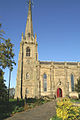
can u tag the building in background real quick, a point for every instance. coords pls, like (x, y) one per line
(11, 92)
(42, 78)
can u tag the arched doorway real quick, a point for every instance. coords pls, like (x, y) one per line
(59, 92)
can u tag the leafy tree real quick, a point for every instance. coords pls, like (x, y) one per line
(3, 88)
(77, 86)
(6, 52)
(1, 33)
(6, 55)
(7, 58)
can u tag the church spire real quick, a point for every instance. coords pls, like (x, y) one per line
(29, 25)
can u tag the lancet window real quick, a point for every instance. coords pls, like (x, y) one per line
(45, 82)
(72, 82)
(27, 51)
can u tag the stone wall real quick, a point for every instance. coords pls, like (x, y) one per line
(58, 76)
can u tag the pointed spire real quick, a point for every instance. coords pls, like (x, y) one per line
(29, 26)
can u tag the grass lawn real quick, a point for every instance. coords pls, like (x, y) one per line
(55, 118)
(75, 100)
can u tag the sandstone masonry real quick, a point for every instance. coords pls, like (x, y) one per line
(42, 78)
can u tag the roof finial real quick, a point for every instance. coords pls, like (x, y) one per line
(22, 36)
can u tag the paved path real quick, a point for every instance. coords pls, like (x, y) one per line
(43, 112)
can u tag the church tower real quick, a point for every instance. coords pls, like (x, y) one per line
(27, 83)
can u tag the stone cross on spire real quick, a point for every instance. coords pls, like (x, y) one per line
(29, 25)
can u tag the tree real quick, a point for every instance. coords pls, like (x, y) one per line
(77, 86)
(6, 55)
(6, 51)
(7, 58)
(1, 33)
(3, 88)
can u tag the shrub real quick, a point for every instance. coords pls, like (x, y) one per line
(66, 110)
(18, 109)
(11, 107)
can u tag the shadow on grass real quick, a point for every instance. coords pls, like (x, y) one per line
(55, 118)
(6, 108)
(13, 106)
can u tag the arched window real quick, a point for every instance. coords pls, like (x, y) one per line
(45, 82)
(27, 75)
(72, 82)
(27, 51)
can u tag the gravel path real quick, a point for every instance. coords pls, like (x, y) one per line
(43, 112)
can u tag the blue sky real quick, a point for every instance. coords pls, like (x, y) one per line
(56, 23)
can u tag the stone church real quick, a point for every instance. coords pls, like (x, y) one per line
(42, 78)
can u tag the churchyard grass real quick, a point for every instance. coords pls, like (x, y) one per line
(75, 100)
(55, 118)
